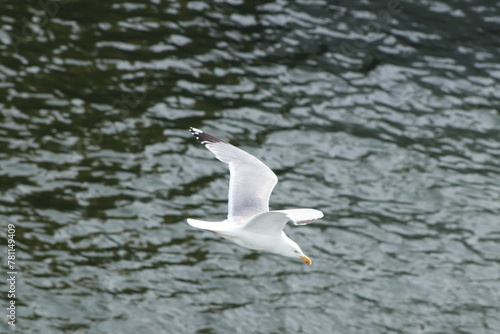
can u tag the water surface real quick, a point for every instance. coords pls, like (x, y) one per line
(384, 115)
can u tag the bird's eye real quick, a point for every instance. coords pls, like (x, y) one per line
(297, 252)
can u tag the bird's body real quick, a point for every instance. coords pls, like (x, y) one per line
(241, 236)
(250, 224)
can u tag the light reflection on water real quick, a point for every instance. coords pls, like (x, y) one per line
(395, 140)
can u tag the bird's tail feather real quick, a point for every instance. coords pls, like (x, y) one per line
(210, 226)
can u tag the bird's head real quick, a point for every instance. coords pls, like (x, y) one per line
(293, 250)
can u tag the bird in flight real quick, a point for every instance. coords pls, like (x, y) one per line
(249, 222)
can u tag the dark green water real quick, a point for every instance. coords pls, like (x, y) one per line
(382, 114)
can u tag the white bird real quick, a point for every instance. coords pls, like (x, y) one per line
(249, 222)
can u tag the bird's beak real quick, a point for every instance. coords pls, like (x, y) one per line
(306, 259)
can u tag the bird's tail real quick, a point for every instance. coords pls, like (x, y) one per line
(204, 225)
(210, 226)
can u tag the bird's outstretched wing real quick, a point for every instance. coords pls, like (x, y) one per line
(272, 222)
(251, 182)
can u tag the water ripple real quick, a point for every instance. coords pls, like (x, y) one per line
(382, 115)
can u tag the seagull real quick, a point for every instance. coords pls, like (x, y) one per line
(249, 222)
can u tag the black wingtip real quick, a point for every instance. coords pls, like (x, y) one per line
(203, 137)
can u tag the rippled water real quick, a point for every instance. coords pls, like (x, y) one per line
(382, 114)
